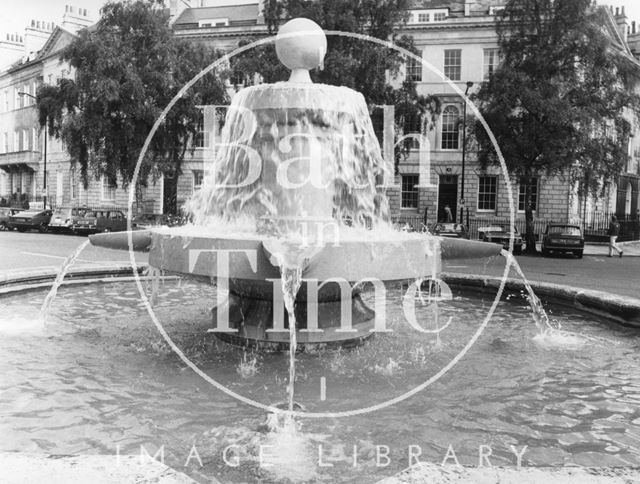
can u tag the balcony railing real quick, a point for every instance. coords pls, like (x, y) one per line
(32, 158)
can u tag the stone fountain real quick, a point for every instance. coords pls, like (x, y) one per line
(300, 162)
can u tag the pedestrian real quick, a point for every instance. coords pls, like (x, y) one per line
(448, 216)
(614, 231)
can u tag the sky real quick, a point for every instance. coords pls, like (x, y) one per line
(16, 14)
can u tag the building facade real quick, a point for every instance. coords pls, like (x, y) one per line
(458, 43)
(27, 151)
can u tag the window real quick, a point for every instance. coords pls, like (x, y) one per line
(16, 140)
(25, 140)
(214, 22)
(5, 101)
(409, 194)
(487, 193)
(198, 178)
(439, 17)
(522, 193)
(199, 140)
(26, 99)
(17, 99)
(5, 142)
(423, 17)
(413, 124)
(34, 139)
(73, 184)
(450, 128)
(452, 64)
(490, 63)
(414, 68)
(108, 189)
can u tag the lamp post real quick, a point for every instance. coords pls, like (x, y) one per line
(44, 183)
(464, 147)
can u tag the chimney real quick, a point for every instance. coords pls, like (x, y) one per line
(75, 18)
(467, 7)
(35, 36)
(622, 23)
(11, 49)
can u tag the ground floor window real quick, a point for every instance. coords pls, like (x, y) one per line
(409, 194)
(108, 189)
(487, 192)
(522, 194)
(198, 178)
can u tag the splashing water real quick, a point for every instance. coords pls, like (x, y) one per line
(66, 265)
(540, 317)
(154, 274)
(248, 366)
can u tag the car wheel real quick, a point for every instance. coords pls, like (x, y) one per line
(42, 228)
(107, 229)
(3, 226)
(517, 250)
(578, 254)
(21, 229)
(546, 252)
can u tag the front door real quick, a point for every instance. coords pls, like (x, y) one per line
(447, 195)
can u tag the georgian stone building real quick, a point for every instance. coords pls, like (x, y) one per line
(37, 61)
(456, 39)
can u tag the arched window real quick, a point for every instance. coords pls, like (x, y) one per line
(450, 128)
(627, 204)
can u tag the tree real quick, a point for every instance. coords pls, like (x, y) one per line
(361, 65)
(128, 67)
(557, 102)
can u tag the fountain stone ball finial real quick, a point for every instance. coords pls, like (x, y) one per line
(302, 52)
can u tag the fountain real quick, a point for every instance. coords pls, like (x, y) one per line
(99, 378)
(298, 160)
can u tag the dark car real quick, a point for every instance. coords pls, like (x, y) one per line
(563, 238)
(148, 220)
(501, 234)
(450, 230)
(100, 220)
(63, 218)
(30, 219)
(5, 214)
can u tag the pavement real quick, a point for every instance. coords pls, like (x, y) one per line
(629, 249)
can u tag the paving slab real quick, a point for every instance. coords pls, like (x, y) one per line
(23, 468)
(436, 474)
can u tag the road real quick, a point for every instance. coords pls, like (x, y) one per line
(620, 276)
(598, 272)
(33, 250)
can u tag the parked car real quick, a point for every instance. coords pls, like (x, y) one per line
(100, 220)
(450, 230)
(563, 238)
(63, 218)
(30, 219)
(501, 234)
(148, 220)
(5, 214)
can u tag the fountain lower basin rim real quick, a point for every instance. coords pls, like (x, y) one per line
(396, 257)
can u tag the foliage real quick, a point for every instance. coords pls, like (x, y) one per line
(361, 65)
(558, 100)
(128, 67)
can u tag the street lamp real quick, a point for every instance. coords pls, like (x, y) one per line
(44, 183)
(464, 146)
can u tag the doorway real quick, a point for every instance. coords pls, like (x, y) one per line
(447, 195)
